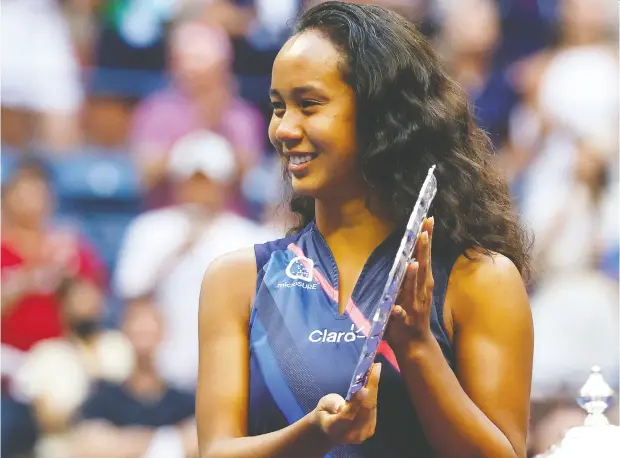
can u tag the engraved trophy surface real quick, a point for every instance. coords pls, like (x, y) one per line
(394, 282)
(597, 438)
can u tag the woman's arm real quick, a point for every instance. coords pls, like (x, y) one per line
(483, 410)
(222, 396)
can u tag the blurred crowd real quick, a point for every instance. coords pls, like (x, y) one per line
(134, 152)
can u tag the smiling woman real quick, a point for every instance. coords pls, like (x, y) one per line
(314, 125)
(361, 109)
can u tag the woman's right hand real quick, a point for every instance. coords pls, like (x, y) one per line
(350, 422)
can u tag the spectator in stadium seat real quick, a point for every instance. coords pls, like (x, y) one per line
(469, 41)
(40, 89)
(36, 257)
(203, 96)
(166, 251)
(58, 373)
(143, 417)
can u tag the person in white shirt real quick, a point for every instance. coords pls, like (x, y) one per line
(41, 88)
(166, 251)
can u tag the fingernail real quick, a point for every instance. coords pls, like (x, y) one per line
(432, 220)
(425, 236)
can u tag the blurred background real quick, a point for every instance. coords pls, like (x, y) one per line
(134, 152)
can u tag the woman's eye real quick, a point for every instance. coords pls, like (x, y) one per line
(305, 104)
(278, 107)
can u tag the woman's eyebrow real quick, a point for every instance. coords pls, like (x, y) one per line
(300, 91)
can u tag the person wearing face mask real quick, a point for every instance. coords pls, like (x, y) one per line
(37, 253)
(143, 417)
(59, 373)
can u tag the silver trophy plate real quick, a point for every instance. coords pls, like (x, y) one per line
(393, 284)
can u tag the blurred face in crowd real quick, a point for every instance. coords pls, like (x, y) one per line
(472, 26)
(17, 127)
(107, 121)
(83, 308)
(200, 58)
(584, 21)
(143, 327)
(198, 189)
(27, 199)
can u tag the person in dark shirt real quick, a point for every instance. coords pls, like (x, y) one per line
(143, 417)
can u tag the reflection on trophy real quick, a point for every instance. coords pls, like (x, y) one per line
(596, 438)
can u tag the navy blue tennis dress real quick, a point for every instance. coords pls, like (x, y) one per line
(301, 348)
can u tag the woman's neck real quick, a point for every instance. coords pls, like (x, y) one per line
(351, 225)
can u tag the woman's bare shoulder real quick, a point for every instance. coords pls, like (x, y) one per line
(231, 280)
(235, 263)
(478, 263)
(485, 278)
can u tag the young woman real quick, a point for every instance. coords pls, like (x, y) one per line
(361, 109)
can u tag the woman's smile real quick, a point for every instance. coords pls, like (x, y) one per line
(298, 162)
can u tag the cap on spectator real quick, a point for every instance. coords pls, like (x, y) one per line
(202, 152)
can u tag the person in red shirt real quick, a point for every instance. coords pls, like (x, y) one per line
(36, 256)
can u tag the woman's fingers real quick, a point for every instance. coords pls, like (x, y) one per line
(431, 230)
(366, 398)
(424, 263)
(351, 408)
(407, 297)
(333, 403)
(425, 273)
(373, 382)
(352, 422)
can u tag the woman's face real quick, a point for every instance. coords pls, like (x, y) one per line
(313, 126)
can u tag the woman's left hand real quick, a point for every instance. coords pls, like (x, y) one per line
(409, 322)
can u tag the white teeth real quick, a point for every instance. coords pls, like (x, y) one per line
(296, 160)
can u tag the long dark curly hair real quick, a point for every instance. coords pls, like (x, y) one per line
(413, 115)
